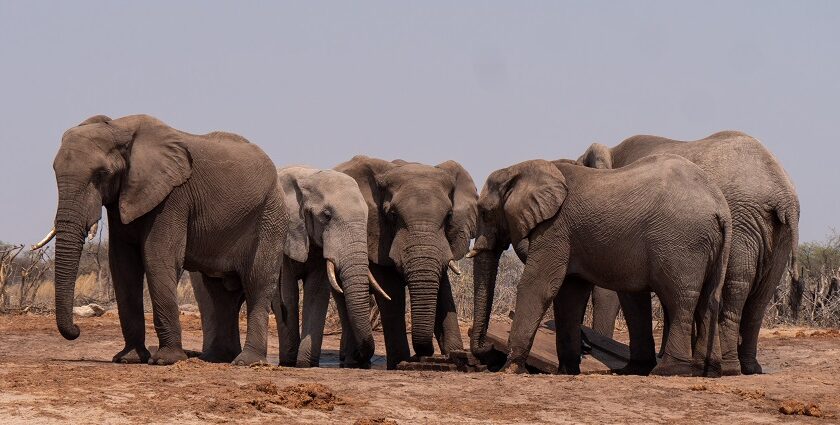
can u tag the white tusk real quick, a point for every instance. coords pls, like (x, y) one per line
(454, 267)
(331, 276)
(376, 286)
(44, 241)
(473, 252)
(93, 230)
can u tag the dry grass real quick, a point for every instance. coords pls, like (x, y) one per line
(813, 301)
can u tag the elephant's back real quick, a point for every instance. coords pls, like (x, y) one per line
(227, 169)
(740, 165)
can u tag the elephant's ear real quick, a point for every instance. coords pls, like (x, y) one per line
(597, 156)
(158, 161)
(534, 192)
(297, 238)
(462, 226)
(364, 170)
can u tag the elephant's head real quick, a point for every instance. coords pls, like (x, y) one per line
(513, 202)
(421, 219)
(326, 209)
(597, 156)
(130, 164)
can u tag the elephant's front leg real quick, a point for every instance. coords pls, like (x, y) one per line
(285, 303)
(569, 308)
(393, 315)
(316, 300)
(540, 282)
(447, 331)
(126, 267)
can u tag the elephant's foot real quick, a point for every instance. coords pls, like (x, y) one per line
(248, 358)
(670, 366)
(751, 367)
(215, 355)
(637, 367)
(730, 367)
(514, 367)
(569, 367)
(352, 364)
(130, 355)
(304, 363)
(167, 356)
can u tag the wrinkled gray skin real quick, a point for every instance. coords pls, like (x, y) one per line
(419, 218)
(658, 225)
(765, 214)
(327, 220)
(170, 208)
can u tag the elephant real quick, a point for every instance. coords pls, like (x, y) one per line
(765, 214)
(170, 207)
(657, 225)
(420, 221)
(326, 244)
(326, 247)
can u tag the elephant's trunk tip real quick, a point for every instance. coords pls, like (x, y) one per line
(69, 332)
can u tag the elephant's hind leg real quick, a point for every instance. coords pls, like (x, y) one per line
(740, 274)
(639, 317)
(260, 278)
(605, 306)
(679, 303)
(258, 287)
(220, 322)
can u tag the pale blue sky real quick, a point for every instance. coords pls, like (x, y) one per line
(485, 83)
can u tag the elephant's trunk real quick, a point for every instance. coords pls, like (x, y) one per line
(70, 239)
(354, 278)
(423, 271)
(485, 269)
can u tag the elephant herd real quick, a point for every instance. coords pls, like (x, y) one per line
(709, 226)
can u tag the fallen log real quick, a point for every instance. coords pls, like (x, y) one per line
(543, 355)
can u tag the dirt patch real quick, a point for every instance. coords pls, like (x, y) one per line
(755, 394)
(47, 379)
(793, 407)
(300, 396)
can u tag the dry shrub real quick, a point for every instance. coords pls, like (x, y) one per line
(813, 301)
(504, 297)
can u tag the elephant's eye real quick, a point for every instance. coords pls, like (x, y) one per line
(327, 215)
(100, 175)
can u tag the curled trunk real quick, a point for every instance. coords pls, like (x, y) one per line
(485, 270)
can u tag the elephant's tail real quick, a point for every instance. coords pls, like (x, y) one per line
(790, 217)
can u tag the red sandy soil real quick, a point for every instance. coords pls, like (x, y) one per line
(46, 379)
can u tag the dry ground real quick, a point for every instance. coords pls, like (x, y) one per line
(45, 379)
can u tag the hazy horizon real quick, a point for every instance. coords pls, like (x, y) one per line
(487, 84)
